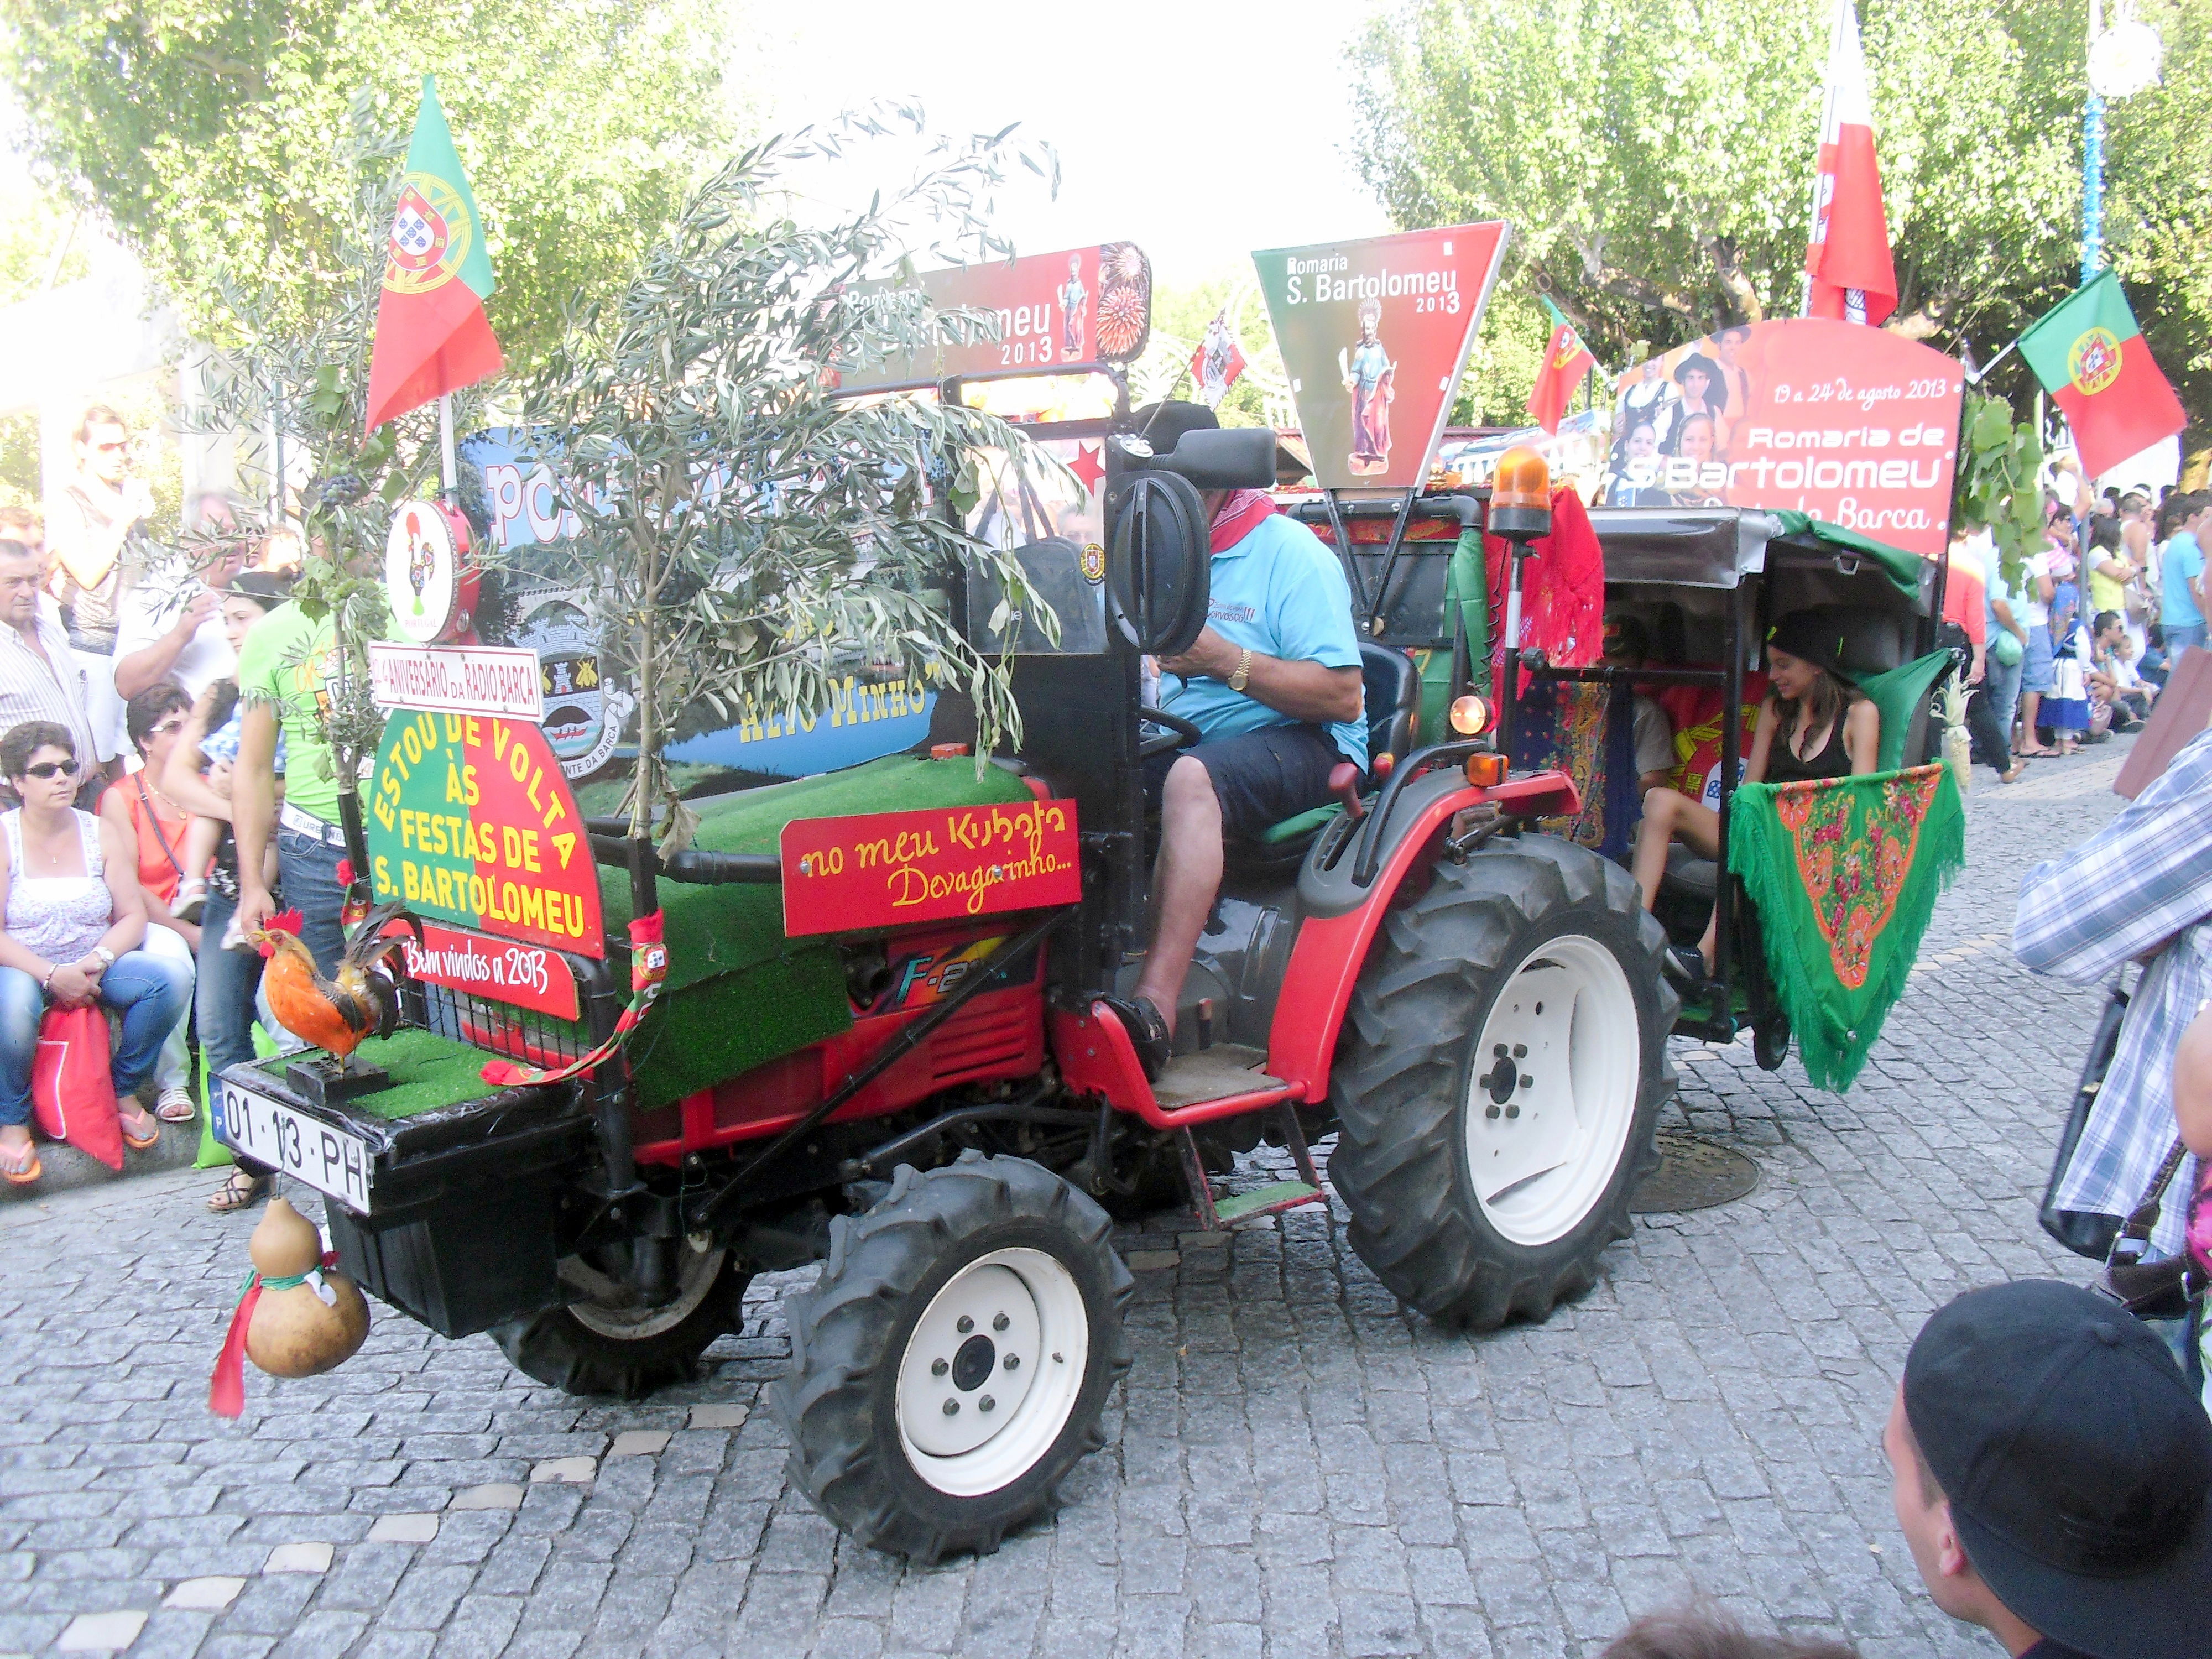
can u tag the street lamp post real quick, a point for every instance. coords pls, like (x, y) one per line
(2123, 61)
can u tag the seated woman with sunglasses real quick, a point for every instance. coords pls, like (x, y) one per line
(71, 922)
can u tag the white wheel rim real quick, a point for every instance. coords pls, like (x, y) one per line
(1017, 1305)
(695, 1274)
(1554, 1090)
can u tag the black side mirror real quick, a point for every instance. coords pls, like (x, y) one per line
(1158, 576)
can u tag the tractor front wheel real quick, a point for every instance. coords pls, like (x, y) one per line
(597, 1343)
(1499, 1095)
(951, 1365)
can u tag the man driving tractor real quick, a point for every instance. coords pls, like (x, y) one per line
(1272, 684)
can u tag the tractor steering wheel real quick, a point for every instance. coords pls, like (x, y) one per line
(1180, 734)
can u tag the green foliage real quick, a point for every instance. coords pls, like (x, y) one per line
(1999, 467)
(308, 378)
(1180, 315)
(747, 541)
(204, 131)
(1656, 159)
(34, 225)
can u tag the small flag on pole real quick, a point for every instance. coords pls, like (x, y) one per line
(2094, 361)
(432, 335)
(1567, 360)
(1218, 362)
(1853, 278)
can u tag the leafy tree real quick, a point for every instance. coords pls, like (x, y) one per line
(1656, 159)
(202, 132)
(747, 541)
(1181, 316)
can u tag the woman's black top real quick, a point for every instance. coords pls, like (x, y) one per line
(1831, 759)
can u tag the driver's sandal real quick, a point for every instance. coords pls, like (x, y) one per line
(1685, 962)
(1148, 1033)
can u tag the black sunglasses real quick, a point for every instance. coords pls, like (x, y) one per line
(47, 768)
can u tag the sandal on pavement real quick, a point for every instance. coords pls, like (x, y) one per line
(22, 1173)
(141, 1143)
(176, 1106)
(240, 1191)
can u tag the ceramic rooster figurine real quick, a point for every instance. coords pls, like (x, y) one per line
(335, 1014)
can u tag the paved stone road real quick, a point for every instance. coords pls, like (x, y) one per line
(1298, 1469)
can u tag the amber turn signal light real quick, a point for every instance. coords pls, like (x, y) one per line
(1485, 771)
(1521, 495)
(1470, 716)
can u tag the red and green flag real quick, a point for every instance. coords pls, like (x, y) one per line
(432, 335)
(1567, 360)
(2094, 361)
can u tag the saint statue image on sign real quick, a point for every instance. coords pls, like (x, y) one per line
(1074, 313)
(1368, 371)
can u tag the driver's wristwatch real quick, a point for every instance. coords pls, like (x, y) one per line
(1243, 674)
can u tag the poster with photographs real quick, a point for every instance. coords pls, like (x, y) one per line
(1853, 425)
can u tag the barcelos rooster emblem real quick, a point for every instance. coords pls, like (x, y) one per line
(432, 230)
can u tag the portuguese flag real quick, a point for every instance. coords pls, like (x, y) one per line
(2092, 360)
(432, 336)
(1567, 360)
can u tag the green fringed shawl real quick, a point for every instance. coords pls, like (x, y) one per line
(1844, 872)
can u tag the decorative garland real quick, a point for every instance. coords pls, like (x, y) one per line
(648, 969)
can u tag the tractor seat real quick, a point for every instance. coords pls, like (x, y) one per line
(1688, 873)
(1391, 688)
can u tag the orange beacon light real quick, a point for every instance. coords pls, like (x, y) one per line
(1521, 496)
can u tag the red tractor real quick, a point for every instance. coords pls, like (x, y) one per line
(946, 1113)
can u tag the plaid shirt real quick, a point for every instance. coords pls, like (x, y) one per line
(2142, 883)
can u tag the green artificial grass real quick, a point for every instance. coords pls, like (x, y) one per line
(428, 1072)
(739, 992)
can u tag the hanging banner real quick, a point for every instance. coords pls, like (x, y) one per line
(1373, 334)
(1856, 425)
(1089, 304)
(470, 820)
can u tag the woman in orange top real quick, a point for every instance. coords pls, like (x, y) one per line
(156, 826)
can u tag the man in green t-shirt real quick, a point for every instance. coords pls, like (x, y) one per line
(284, 672)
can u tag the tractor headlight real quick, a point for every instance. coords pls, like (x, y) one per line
(1470, 715)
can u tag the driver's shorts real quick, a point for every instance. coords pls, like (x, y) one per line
(1260, 777)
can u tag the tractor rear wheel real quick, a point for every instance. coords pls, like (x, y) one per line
(1498, 1096)
(951, 1365)
(596, 1345)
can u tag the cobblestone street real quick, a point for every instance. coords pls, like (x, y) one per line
(1297, 1468)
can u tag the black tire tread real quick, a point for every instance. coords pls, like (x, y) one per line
(840, 1332)
(558, 1349)
(1412, 1019)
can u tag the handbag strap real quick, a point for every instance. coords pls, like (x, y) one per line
(2142, 1220)
(155, 818)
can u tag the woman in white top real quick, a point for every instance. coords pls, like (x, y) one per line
(71, 922)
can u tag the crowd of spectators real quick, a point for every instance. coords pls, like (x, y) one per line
(122, 739)
(2077, 644)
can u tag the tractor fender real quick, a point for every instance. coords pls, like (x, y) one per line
(1340, 918)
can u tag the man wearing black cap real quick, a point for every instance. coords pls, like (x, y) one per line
(2051, 1474)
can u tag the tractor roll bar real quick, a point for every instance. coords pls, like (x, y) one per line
(694, 866)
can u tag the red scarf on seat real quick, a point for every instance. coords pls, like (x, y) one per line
(1241, 514)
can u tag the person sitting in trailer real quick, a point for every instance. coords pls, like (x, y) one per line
(1628, 645)
(1813, 724)
(1272, 684)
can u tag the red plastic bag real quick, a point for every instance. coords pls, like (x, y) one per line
(72, 1089)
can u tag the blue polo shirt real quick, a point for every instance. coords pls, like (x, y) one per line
(1282, 593)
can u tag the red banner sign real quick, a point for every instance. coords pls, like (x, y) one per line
(887, 869)
(1089, 305)
(1854, 425)
(527, 975)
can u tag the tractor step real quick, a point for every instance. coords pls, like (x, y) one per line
(1265, 1200)
(1226, 1068)
(1215, 1214)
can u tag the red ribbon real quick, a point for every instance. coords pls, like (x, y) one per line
(227, 1388)
(648, 967)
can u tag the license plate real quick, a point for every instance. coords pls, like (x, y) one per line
(333, 1161)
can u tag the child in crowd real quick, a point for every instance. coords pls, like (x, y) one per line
(2066, 709)
(216, 724)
